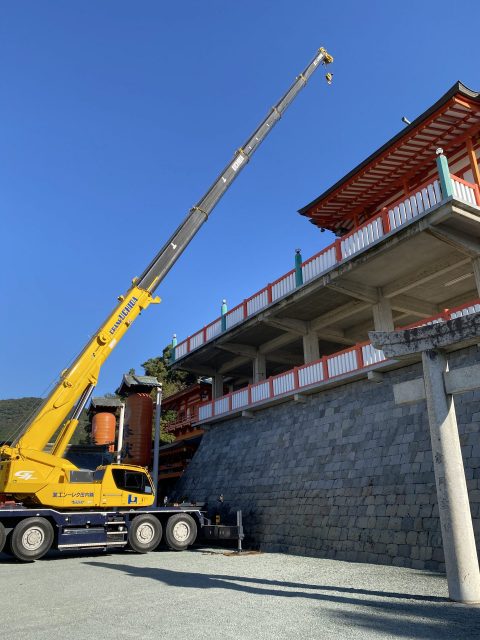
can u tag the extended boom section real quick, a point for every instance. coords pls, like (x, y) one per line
(164, 260)
(30, 474)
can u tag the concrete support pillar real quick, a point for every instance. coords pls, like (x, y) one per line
(382, 315)
(461, 561)
(311, 351)
(259, 368)
(217, 386)
(476, 273)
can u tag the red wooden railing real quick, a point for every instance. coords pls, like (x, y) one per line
(348, 361)
(401, 212)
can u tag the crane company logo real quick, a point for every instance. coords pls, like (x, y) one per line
(25, 475)
(132, 499)
(124, 313)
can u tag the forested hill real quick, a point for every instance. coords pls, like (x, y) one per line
(14, 412)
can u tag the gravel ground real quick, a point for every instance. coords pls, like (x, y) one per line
(210, 593)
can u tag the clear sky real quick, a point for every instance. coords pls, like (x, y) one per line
(116, 116)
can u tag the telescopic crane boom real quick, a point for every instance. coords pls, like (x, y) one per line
(76, 384)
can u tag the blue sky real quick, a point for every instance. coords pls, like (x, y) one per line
(117, 116)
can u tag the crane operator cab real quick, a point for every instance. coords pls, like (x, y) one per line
(107, 486)
(115, 485)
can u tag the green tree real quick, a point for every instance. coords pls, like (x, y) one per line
(173, 380)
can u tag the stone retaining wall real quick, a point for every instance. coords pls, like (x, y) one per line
(346, 474)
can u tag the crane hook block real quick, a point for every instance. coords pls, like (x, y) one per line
(327, 58)
(329, 77)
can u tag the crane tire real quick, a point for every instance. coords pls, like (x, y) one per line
(3, 537)
(145, 533)
(180, 532)
(31, 539)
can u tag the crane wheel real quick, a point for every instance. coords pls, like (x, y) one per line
(180, 532)
(3, 537)
(144, 534)
(31, 539)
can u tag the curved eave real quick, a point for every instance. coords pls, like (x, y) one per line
(459, 107)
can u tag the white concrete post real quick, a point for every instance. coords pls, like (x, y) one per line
(259, 368)
(382, 315)
(217, 387)
(461, 561)
(120, 433)
(311, 351)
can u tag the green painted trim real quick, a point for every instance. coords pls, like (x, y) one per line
(223, 312)
(444, 176)
(298, 269)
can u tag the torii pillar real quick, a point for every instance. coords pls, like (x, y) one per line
(461, 562)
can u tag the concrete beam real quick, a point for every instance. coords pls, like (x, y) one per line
(301, 328)
(277, 343)
(356, 290)
(408, 304)
(232, 364)
(423, 276)
(340, 313)
(336, 336)
(462, 242)
(289, 325)
(238, 349)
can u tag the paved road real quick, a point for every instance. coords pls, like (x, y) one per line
(207, 594)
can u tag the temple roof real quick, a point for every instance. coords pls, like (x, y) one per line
(132, 383)
(406, 158)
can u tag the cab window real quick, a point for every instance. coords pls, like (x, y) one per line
(134, 481)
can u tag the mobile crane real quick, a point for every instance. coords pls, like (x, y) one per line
(45, 500)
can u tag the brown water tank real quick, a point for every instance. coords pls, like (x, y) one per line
(137, 435)
(103, 429)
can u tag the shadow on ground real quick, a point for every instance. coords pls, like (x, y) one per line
(397, 615)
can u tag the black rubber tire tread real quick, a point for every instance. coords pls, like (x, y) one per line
(16, 546)
(133, 541)
(170, 540)
(3, 537)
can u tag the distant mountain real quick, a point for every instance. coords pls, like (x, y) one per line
(15, 412)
